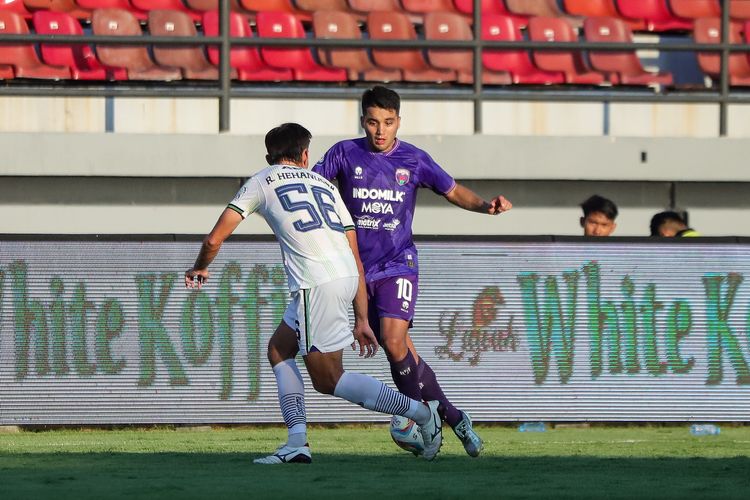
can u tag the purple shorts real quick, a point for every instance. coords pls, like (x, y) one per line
(392, 297)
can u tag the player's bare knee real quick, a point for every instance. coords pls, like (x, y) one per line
(323, 384)
(395, 348)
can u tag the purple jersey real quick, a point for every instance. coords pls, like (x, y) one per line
(380, 191)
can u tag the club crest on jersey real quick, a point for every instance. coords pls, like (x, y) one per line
(402, 176)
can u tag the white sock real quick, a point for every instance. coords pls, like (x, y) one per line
(292, 401)
(374, 395)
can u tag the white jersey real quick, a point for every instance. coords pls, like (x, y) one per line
(309, 219)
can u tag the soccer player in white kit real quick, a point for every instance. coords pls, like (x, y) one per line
(325, 275)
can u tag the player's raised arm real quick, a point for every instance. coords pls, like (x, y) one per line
(227, 223)
(463, 197)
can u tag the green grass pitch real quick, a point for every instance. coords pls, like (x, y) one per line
(361, 462)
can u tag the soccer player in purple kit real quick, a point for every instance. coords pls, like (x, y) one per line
(378, 177)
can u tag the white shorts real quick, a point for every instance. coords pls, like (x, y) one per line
(320, 315)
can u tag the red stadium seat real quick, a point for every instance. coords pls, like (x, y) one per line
(695, 9)
(15, 6)
(246, 60)
(134, 58)
(739, 9)
(599, 8)
(275, 6)
(79, 58)
(367, 6)
(449, 26)
(337, 24)
(6, 72)
(425, 6)
(517, 62)
(569, 62)
(149, 5)
(548, 8)
(313, 6)
(656, 13)
(22, 56)
(708, 30)
(624, 67)
(191, 60)
(298, 59)
(389, 25)
(488, 7)
(113, 4)
(69, 6)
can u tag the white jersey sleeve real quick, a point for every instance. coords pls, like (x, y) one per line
(248, 199)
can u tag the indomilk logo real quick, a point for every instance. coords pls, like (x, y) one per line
(378, 194)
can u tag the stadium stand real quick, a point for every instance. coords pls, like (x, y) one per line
(299, 60)
(655, 13)
(517, 62)
(424, 6)
(78, 58)
(695, 9)
(598, 8)
(496, 7)
(531, 8)
(245, 60)
(149, 5)
(287, 6)
(22, 57)
(135, 59)
(191, 60)
(367, 6)
(207, 5)
(708, 30)
(570, 63)
(15, 6)
(739, 9)
(313, 6)
(68, 6)
(622, 67)
(451, 26)
(113, 4)
(389, 25)
(357, 62)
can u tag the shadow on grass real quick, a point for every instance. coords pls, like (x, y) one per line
(233, 475)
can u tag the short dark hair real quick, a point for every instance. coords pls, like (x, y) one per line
(601, 204)
(380, 97)
(659, 219)
(287, 142)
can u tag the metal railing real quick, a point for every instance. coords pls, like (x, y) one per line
(224, 89)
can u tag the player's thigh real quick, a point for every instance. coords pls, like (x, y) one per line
(320, 316)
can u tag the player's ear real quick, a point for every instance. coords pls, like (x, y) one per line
(268, 159)
(583, 221)
(305, 158)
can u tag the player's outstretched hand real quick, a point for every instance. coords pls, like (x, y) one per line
(363, 335)
(194, 278)
(499, 205)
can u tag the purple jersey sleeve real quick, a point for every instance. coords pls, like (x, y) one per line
(333, 160)
(432, 175)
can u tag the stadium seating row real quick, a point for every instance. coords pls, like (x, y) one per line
(501, 67)
(650, 15)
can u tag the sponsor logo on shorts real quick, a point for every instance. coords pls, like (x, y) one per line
(391, 226)
(402, 176)
(368, 222)
(405, 306)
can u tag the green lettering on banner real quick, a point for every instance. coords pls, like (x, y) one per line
(197, 352)
(152, 335)
(550, 330)
(720, 336)
(108, 327)
(28, 316)
(649, 307)
(79, 309)
(252, 305)
(679, 322)
(629, 328)
(280, 294)
(57, 324)
(593, 292)
(224, 302)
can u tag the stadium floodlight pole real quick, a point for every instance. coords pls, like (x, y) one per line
(224, 70)
(477, 68)
(723, 103)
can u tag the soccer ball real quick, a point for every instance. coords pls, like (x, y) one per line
(405, 433)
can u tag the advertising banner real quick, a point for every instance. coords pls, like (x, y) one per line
(104, 332)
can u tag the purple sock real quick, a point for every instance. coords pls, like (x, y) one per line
(405, 376)
(431, 390)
